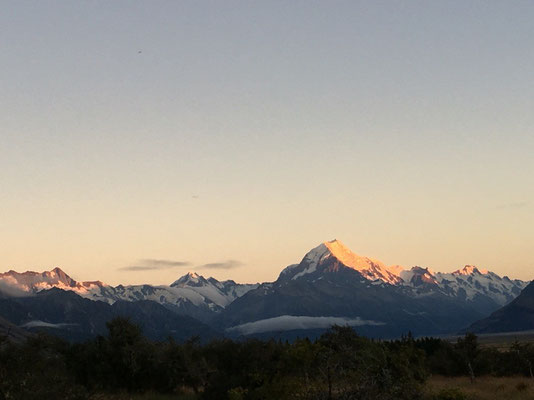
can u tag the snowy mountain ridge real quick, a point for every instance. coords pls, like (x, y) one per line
(190, 294)
(468, 283)
(29, 282)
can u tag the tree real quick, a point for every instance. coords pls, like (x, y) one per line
(129, 355)
(468, 349)
(525, 355)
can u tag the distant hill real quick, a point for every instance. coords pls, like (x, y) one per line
(11, 331)
(70, 316)
(516, 316)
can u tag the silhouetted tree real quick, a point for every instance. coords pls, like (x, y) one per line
(468, 348)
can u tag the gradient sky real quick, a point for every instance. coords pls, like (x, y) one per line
(231, 137)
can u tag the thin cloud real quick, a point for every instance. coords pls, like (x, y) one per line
(165, 263)
(222, 265)
(38, 323)
(151, 264)
(514, 206)
(11, 290)
(292, 322)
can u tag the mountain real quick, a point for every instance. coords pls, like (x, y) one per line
(370, 269)
(68, 315)
(191, 295)
(15, 284)
(467, 283)
(333, 285)
(516, 316)
(484, 290)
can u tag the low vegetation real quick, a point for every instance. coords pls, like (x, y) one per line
(484, 388)
(338, 365)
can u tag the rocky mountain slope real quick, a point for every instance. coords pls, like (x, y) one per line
(516, 316)
(66, 314)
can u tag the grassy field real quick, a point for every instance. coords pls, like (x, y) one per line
(501, 341)
(485, 388)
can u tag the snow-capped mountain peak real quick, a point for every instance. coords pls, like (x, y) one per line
(471, 270)
(190, 279)
(369, 268)
(32, 282)
(418, 276)
(468, 283)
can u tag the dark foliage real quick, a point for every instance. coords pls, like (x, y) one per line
(467, 358)
(338, 365)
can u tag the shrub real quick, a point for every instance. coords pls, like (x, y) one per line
(450, 394)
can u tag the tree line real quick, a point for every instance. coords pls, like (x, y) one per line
(339, 364)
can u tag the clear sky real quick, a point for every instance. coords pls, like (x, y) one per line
(231, 137)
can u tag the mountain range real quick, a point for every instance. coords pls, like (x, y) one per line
(331, 285)
(191, 295)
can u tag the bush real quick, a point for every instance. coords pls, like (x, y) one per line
(450, 394)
